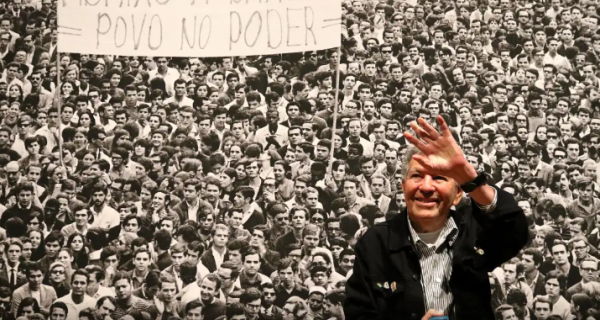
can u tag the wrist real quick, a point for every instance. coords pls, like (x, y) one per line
(467, 175)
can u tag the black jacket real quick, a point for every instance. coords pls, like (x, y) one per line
(385, 253)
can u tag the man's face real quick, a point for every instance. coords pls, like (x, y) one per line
(123, 289)
(212, 193)
(208, 289)
(218, 80)
(220, 238)
(552, 287)
(13, 174)
(560, 254)
(167, 291)
(282, 220)
(566, 130)
(167, 225)
(158, 201)
(81, 217)
(573, 151)
(354, 128)
(509, 315)
(312, 199)
(350, 189)
(99, 198)
(322, 153)
(392, 131)
(252, 264)
(527, 262)
(510, 273)
(35, 278)
(13, 253)
(4, 138)
(106, 309)
(287, 276)
(25, 197)
(589, 271)
(5, 25)
(79, 285)
(311, 241)
(141, 261)
(59, 314)
(367, 169)
(428, 196)
(333, 229)
(586, 193)
(542, 310)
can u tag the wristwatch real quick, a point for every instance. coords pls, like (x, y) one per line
(479, 180)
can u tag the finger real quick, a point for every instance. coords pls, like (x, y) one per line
(419, 131)
(432, 313)
(423, 161)
(444, 127)
(416, 142)
(433, 133)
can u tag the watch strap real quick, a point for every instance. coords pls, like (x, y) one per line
(478, 181)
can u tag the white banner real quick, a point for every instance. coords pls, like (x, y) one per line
(203, 28)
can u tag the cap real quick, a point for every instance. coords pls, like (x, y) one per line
(317, 289)
(12, 166)
(56, 264)
(24, 118)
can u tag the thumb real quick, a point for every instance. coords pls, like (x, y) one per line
(432, 313)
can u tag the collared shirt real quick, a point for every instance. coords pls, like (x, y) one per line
(193, 210)
(218, 257)
(436, 266)
(136, 280)
(106, 219)
(12, 278)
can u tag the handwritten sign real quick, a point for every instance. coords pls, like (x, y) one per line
(205, 28)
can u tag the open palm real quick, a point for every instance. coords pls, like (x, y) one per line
(441, 154)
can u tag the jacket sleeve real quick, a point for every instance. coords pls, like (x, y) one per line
(504, 230)
(360, 303)
(16, 301)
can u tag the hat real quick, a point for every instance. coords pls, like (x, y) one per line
(56, 264)
(24, 118)
(14, 165)
(317, 289)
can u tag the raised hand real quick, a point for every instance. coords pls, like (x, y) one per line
(441, 153)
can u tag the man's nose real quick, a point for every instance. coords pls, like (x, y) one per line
(427, 184)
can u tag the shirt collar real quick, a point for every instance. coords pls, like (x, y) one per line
(9, 268)
(449, 232)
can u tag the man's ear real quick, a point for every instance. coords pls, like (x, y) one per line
(458, 196)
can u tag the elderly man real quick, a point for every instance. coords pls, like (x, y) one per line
(431, 260)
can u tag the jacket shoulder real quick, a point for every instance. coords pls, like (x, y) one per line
(376, 234)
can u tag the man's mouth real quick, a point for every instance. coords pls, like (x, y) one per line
(427, 200)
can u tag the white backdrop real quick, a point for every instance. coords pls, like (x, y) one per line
(204, 28)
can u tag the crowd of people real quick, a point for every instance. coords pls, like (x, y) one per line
(221, 188)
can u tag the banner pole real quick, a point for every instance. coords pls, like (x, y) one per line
(335, 108)
(58, 105)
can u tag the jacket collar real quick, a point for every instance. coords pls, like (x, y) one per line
(399, 235)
